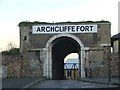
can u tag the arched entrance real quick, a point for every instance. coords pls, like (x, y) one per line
(61, 47)
(58, 47)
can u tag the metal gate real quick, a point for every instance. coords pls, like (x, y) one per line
(71, 70)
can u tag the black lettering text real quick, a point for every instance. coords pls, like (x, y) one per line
(91, 28)
(69, 27)
(48, 29)
(77, 28)
(73, 28)
(86, 28)
(52, 29)
(38, 29)
(65, 28)
(56, 28)
(82, 28)
(43, 29)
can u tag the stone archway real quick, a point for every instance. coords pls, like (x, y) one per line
(47, 71)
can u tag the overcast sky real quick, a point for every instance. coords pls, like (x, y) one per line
(14, 11)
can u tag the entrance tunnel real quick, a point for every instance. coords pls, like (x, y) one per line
(61, 47)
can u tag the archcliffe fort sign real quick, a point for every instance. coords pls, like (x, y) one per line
(50, 29)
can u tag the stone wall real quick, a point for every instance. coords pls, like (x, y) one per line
(31, 64)
(11, 65)
(99, 69)
(104, 68)
(34, 41)
(114, 64)
(14, 67)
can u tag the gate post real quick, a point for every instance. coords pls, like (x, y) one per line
(47, 62)
(82, 63)
(83, 55)
(43, 57)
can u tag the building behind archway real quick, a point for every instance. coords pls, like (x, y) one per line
(93, 47)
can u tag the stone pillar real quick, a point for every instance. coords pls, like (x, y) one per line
(43, 57)
(82, 63)
(47, 63)
(83, 60)
(50, 63)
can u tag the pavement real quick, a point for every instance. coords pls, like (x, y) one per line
(112, 81)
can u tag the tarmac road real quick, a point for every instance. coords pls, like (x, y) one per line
(24, 84)
(16, 83)
(70, 85)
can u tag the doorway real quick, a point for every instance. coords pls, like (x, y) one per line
(61, 47)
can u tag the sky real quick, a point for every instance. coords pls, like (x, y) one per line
(12, 12)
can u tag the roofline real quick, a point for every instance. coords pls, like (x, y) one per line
(115, 37)
(27, 23)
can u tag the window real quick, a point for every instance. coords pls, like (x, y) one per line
(25, 38)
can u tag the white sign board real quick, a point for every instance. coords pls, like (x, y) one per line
(51, 29)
